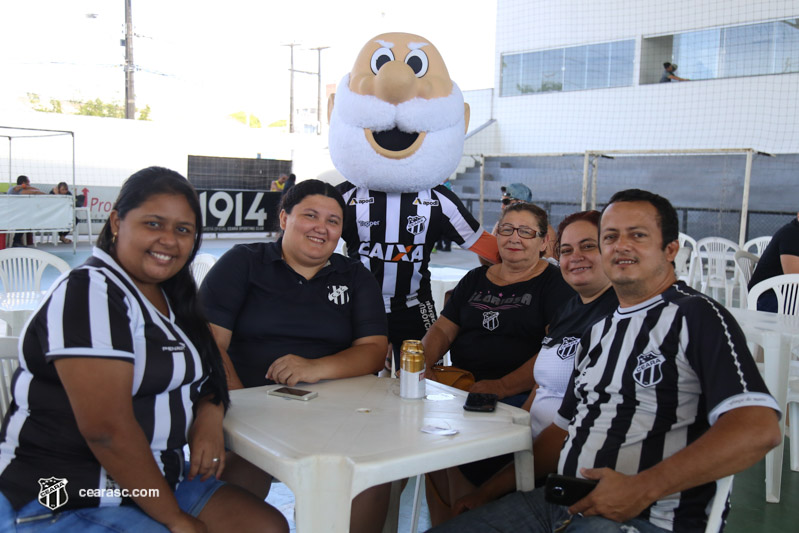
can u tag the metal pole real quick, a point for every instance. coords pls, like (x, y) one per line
(594, 164)
(74, 198)
(745, 203)
(482, 186)
(291, 88)
(319, 91)
(319, 88)
(130, 97)
(583, 201)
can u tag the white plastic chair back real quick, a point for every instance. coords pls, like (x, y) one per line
(687, 270)
(714, 518)
(744, 267)
(21, 269)
(9, 361)
(786, 287)
(687, 241)
(759, 243)
(201, 265)
(716, 259)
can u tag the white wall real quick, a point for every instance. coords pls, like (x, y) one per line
(108, 150)
(758, 112)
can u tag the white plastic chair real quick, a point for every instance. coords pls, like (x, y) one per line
(786, 288)
(9, 361)
(201, 265)
(716, 261)
(685, 262)
(759, 243)
(793, 413)
(21, 269)
(723, 490)
(85, 211)
(744, 266)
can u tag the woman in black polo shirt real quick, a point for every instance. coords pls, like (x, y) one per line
(117, 371)
(292, 311)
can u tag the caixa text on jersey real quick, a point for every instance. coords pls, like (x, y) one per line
(412, 253)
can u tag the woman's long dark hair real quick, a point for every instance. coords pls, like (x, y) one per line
(181, 290)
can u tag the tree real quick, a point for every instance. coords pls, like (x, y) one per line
(242, 117)
(98, 108)
(35, 101)
(144, 114)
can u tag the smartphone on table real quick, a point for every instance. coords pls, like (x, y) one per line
(567, 490)
(481, 402)
(293, 394)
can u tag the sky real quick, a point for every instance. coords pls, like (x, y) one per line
(213, 58)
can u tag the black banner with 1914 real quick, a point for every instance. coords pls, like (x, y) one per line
(239, 211)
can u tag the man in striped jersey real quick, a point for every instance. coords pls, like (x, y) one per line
(396, 133)
(665, 397)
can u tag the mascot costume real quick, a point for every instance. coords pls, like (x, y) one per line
(397, 127)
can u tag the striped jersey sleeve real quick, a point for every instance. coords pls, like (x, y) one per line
(466, 228)
(87, 292)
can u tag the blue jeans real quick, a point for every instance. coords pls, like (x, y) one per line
(530, 512)
(34, 517)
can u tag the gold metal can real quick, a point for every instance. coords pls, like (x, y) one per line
(412, 356)
(412, 365)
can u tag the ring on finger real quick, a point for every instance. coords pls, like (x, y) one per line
(215, 460)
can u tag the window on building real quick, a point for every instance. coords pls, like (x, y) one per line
(736, 51)
(575, 68)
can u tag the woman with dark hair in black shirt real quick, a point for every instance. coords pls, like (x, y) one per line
(118, 371)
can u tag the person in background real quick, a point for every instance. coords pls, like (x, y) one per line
(279, 184)
(781, 256)
(290, 182)
(519, 192)
(665, 398)
(294, 312)
(62, 188)
(493, 326)
(118, 371)
(669, 75)
(581, 266)
(23, 186)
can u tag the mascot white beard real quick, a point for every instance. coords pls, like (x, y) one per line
(442, 119)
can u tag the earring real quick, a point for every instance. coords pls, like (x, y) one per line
(114, 239)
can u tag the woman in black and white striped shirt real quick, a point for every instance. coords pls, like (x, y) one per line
(118, 369)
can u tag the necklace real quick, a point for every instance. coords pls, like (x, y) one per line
(498, 278)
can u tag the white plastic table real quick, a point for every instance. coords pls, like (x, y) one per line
(359, 433)
(776, 334)
(16, 307)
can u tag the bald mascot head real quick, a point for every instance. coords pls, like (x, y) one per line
(399, 121)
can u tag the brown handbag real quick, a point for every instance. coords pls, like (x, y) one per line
(453, 376)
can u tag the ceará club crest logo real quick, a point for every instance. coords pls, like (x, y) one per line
(53, 492)
(338, 294)
(649, 370)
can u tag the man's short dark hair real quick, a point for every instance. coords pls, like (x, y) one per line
(22, 179)
(666, 65)
(667, 215)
